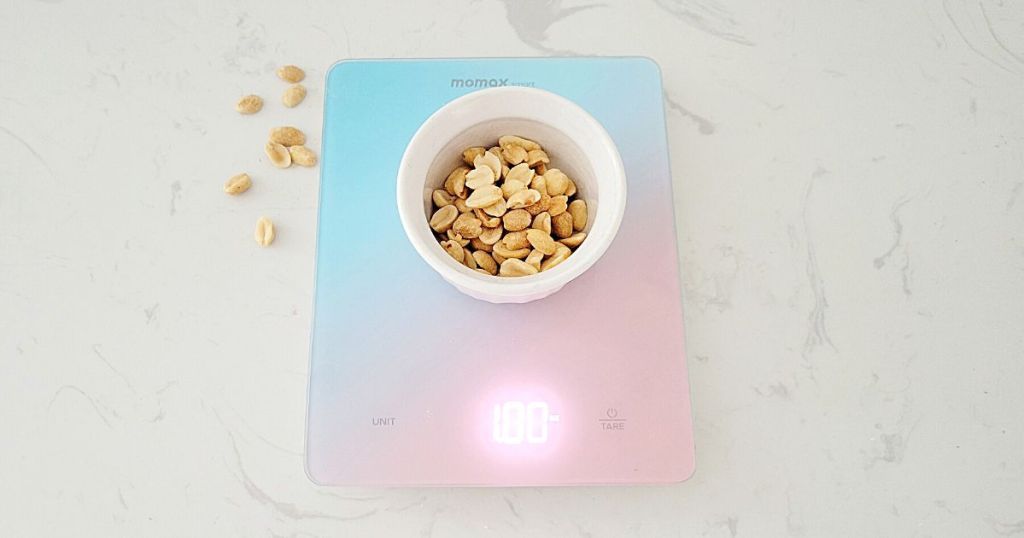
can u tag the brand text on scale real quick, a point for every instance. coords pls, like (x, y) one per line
(487, 83)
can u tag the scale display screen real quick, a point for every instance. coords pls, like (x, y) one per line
(516, 422)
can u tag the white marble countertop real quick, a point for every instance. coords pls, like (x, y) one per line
(849, 183)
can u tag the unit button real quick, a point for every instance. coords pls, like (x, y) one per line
(612, 421)
(383, 422)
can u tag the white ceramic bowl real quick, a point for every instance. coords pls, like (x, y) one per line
(577, 144)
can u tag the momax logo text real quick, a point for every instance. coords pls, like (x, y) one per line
(485, 83)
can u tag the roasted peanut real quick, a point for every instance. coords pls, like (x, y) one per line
(265, 233)
(537, 156)
(452, 236)
(542, 222)
(480, 176)
(491, 235)
(535, 257)
(485, 262)
(293, 96)
(543, 205)
(496, 151)
(443, 218)
(467, 225)
(287, 136)
(523, 198)
(478, 244)
(512, 186)
(489, 160)
(302, 156)
(520, 173)
(279, 155)
(510, 140)
(498, 209)
(250, 104)
(560, 255)
(559, 204)
(562, 225)
(291, 73)
(539, 184)
(441, 198)
(469, 260)
(505, 252)
(516, 220)
(515, 240)
(454, 250)
(557, 181)
(470, 154)
(514, 267)
(238, 184)
(541, 241)
(455, 184)
(573, 240)
(486, 220)
(513, 154)
(578, 210)
(484, 197)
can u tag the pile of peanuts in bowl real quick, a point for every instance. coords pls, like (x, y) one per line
(506, 213)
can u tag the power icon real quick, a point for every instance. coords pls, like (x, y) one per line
(612, 423)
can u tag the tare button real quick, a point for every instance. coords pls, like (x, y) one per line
(612, 421)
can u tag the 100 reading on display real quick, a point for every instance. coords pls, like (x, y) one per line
(517, 422)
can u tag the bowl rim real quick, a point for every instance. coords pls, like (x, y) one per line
(611, 207)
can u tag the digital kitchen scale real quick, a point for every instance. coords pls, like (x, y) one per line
(414, 383)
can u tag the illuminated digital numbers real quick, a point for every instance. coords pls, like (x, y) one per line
(516, 422)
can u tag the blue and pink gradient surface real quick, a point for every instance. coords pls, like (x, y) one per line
(414, 383)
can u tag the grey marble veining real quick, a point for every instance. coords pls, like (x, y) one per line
(847, 177)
